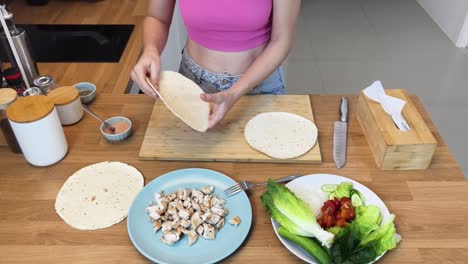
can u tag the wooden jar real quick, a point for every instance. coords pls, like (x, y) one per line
(68, 104)
(37, 128)
(394, 149)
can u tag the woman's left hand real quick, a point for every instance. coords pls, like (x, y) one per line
(221, 104)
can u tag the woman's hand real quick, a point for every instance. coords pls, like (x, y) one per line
(221, 102)
(147, 67)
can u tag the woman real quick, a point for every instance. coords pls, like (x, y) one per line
(234, 47)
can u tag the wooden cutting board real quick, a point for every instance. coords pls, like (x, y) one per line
(168, 138)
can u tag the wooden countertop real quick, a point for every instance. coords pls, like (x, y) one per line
(431, 205)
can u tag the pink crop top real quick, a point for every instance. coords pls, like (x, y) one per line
(227, 25)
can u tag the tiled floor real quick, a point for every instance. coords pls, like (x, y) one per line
(343, 45)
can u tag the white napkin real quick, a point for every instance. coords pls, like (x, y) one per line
(391, 105)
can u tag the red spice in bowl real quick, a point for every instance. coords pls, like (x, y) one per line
(120, 127)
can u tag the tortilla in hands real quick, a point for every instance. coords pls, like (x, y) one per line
(182, 96)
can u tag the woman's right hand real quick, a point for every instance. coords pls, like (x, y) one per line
(148, 66)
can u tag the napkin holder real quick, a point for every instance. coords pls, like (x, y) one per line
(394, 149)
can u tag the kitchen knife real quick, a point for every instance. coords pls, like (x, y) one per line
(340, 134)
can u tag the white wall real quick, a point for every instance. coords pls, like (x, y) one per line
(450, 15)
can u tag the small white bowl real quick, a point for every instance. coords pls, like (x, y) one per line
(86, 86)
(117, 136)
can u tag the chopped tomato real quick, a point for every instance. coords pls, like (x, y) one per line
(337, 212)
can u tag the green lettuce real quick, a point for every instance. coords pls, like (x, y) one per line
(343, 190)
(293, 213)
(365, 239)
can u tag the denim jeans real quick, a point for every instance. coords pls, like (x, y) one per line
(212, 82)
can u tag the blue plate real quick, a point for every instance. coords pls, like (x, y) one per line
(228, 239)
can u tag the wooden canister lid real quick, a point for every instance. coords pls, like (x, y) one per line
(7, 95)
(63, 95)
(29, 109)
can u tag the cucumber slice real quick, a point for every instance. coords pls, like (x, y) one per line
(356, 200)
(329, 187)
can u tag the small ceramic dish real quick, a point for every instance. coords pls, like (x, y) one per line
(122, 125)
(87, 91)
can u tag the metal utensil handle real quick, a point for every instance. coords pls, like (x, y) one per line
(344, 110)
(87, 110)
(284, 179)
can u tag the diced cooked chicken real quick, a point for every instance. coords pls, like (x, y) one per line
(172, 196)
(185, 194)
(178, 230)
(180, 206)
(207, 189)
(175, 224)
(165, 217)
(235, 221)
(184, 214)
(166, 226)
(187, 204)
(219, 210)
(220, 224)
(200, 230)
(162, 207)
(184, 230)
(197, 196)
(185, 223)
(214, 219)
(206, 216)
(192, 237)
(191, 211)
(216, 201)
(171, 210)
(164, 199)
(170, 238)
(156, 225)
(207, 200)
(196, 206)
(204, 208)
(152, 212)
(208, 231)
(188, 211)
(196, 220)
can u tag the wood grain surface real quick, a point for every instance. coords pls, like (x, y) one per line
(430, 205)
(168, 138)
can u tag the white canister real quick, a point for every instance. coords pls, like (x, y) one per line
(37, 128)
(68, 104)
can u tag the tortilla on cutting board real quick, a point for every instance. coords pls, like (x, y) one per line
(281, 135)
(182, 96)
(99, 195)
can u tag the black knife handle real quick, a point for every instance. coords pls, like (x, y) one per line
(344, 110)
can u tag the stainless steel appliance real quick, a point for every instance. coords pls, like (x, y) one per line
(21, 44)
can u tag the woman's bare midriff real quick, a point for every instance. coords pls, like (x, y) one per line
(233, 63)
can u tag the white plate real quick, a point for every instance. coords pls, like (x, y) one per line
(319, 180)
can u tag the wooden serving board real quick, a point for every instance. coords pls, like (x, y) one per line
(168, 138)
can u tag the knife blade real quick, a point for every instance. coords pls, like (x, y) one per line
(340, 134)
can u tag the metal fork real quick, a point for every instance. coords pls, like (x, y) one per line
(244, 185)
